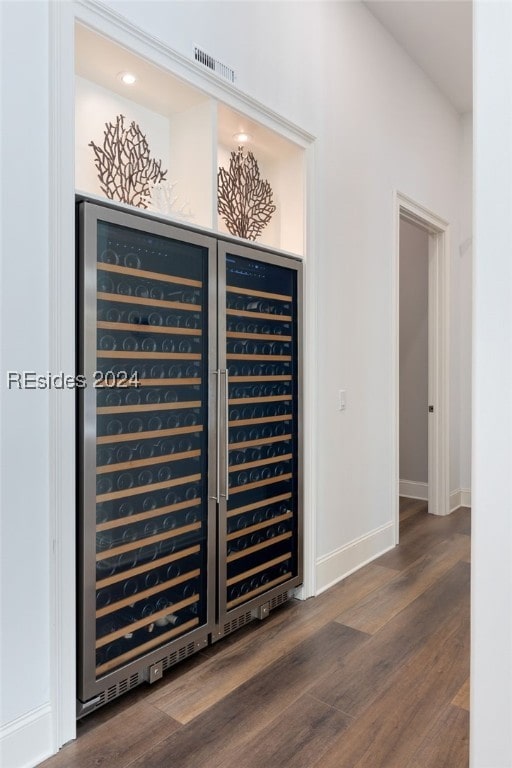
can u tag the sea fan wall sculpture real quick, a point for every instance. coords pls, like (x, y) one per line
(125, 167)
(244, 199)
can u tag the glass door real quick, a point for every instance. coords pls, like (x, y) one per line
(260, 517)
(145, 532)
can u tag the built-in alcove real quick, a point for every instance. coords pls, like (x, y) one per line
(191, 133)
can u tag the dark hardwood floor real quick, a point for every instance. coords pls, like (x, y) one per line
(372, 673)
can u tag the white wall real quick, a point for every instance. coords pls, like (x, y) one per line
(413, 351)
(24, 435)
(491, 638)
(381, 126)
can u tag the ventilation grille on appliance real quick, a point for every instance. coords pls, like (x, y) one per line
(214, 64)
(119, 688)
(113, 691)
(230, 626)
(278, 600)
(178, 655)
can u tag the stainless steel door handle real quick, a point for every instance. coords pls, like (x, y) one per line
(217, 458)
(226, 433)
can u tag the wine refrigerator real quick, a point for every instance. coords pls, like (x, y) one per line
(189, 443)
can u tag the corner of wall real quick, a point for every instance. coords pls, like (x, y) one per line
(341, 562)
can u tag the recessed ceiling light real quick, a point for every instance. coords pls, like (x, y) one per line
(127, 78)
(242, 137)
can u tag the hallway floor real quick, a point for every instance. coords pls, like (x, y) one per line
(371, 674)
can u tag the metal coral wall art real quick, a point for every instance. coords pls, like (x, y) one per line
(126, 169)
(244, 199)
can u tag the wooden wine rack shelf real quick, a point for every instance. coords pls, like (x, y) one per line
(132, 599)
(257, 336)
(258, 591)
(259, 526)
(129, 436)
(141, 649)
(260, 420)
(136, 463)
(150, 488)
(140, 328)
(257, 547)
(272, 358)
(145, 407)
(260, 483)
(259, 441)
(258, 569)
(138, 543)
(147, 302)
(135, 355)
(149, 515)
(145, 622)
(259, 504)
(259, 315)
(263, 399)
(169, 382)
(140, 569)
(259, 379)
(257, 294)
(144, 273)
(260, 462)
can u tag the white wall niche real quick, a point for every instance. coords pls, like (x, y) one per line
(192, 134)
(282, 163)
(177, 120)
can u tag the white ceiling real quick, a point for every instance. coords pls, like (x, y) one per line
(438, 35)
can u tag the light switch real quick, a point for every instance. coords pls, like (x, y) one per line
(342, 399)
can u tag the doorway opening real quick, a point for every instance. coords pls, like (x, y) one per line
(413, 357)
(421, 381)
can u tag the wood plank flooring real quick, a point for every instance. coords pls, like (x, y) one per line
(373, 673)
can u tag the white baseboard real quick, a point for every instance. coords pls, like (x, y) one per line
(465, 497)
(460, 498)
(340, 563)
(413, 489)
(27, 741)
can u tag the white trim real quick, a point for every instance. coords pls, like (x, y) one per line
(310, 389)
(27, 741)
(413, 490)
(438, 367)
(460, 498)
(395, 372)
(438, 429)
(62, 491)
(465, 497)
(340, 563)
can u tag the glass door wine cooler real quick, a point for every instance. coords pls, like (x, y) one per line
(189, 459)
(259, 537)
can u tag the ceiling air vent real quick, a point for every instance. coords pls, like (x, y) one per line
(214, 64)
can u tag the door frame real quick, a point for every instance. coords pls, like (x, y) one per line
(438, 353)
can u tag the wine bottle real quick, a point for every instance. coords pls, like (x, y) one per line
(132, 261)
(104, 484)
(148, 344)
(109, 256)
(124, 481)
(164, 474)
(156, 292)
